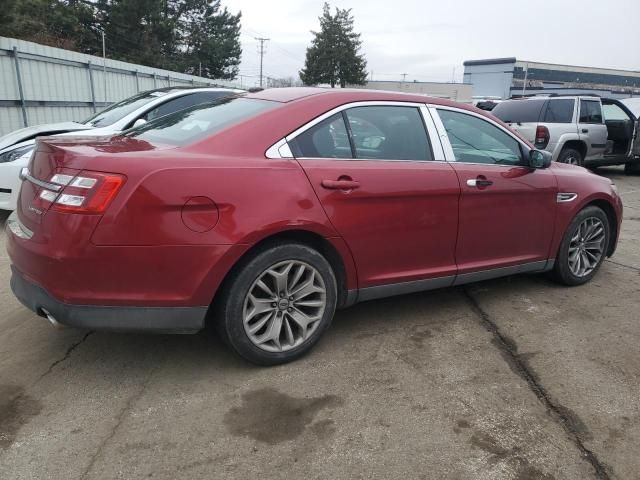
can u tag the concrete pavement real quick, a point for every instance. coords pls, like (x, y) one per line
(516, 378)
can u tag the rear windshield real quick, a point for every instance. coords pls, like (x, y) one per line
(195, 123)
(519, 111)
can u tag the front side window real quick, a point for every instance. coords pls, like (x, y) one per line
(559, 111)
(117, 111)
(389, 133)
(475, 140)
(590, 111)
(614, 112)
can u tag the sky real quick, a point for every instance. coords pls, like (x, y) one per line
(429, 39)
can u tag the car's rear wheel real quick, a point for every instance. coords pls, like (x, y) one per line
(583, 247)
(277, 305)
(571, 156)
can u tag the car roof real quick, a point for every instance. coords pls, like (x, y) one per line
(344, 95)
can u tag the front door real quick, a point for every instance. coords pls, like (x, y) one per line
(389, 196)
(507, 209)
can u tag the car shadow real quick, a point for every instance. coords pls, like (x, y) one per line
(205, 355)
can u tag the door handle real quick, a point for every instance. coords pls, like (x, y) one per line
(479, 182)
(585, 130)
(341, 184)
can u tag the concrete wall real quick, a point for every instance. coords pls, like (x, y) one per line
(460, 92)
(59, 85)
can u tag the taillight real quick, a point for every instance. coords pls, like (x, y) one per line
(88, 192)
(542, 136)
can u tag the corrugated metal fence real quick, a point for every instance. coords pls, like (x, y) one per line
(40, 84)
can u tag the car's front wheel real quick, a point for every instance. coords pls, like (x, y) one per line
(277, 305)
(583, 247)
(632, 168)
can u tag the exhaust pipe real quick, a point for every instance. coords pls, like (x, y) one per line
(52, 319)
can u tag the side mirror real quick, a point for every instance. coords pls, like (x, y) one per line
(138, 122)
(539, 159)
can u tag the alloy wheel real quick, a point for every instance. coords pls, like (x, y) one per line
(571, 160)
(284, 306)
(586, 247)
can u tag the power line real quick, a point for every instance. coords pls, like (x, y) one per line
(261, 51)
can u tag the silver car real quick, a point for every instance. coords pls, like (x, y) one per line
(16, 147)
(581, 130)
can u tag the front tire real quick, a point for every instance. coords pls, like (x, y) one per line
(632, 168)
(583, 247)
(277, 304)
(571, 156)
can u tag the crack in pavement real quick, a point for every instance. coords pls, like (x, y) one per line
(67, 354)
(637, 269)
(119, 420)
(559, 413)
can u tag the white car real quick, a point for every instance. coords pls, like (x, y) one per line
(16, 147)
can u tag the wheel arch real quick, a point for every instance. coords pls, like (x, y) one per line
(575, 144)
(612, 216)
(329, 248)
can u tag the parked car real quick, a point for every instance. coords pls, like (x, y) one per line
(16, 147)
(254, 214)
(581, 130)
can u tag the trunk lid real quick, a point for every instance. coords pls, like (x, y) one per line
(63, 156)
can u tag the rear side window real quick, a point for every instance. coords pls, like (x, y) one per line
(559, 111)
(327, 139)
(389, 133)
(519, 111)
(372, 133)
(590, 111)
(195, 123)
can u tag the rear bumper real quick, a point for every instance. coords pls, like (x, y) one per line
(127, 318)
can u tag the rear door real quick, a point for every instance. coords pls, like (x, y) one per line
(591, 128)
(507, 210)
(386, 188)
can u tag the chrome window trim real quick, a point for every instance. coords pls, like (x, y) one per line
(281, 148)
(433, 109)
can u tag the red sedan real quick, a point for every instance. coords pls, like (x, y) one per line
(266, 212)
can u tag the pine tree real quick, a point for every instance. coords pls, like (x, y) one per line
(334, 54)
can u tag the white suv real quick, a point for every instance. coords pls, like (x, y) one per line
(581, 130)
(16, 147)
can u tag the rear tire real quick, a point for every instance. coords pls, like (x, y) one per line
(277, 304)
(571, 156)
(583, 247)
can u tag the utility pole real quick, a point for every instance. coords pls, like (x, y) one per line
(104, 67)
(200, 69)
(261, 52)
(404, 77)
(526, 73)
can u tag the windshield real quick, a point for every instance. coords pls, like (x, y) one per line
(115, 112)
(192, 124)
